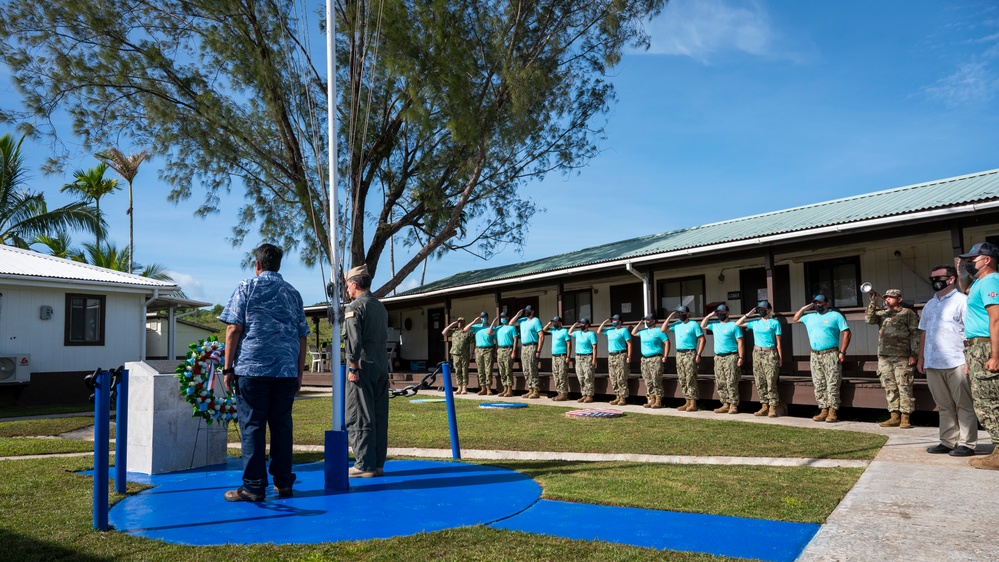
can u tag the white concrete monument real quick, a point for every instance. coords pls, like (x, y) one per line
(162, 435)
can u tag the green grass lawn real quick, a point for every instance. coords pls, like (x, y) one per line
(46, 507)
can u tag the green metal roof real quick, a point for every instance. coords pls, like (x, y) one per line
(940, 194)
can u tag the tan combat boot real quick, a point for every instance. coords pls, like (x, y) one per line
(990, 462)
(832, 418)
(893, 421)
(482, 391)
(774, 411)
(764, 409)
(560, 397)
(657, 403)
(648, 402)
(489, 391)
(733, 409)
(693, 406)
(683, 407)
(723, 409)
(586, 399)
(581, 398)
(821, 416)
(904, 424)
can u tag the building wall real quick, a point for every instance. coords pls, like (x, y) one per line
(156, 338)
(23, 331)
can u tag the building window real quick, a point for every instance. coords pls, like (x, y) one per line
(84, 319)
(838, 279)
(686, 291)
(576, 305)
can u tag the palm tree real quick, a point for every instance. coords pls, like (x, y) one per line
(59, 246)
(24, 215)
(110, 256)
(92, 184)
(127, 167)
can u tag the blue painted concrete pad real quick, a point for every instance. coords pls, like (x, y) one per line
(713, 534)
(412, 496)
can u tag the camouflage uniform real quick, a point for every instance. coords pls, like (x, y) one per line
(584, 372)
(652, 373)
(505, 364)
(727, 377)
(898, 340)
(686, 370)
(619, 371)
(560, 373)
(984, 385)
(461, 343)
(484, 366)
(827, 376)
(529, 364)
(766, 373)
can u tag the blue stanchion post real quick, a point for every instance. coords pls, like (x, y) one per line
(102, 431)
(452, 419)
(335, 463)
(121, 433)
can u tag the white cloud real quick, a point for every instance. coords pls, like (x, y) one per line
(972, 83)
(193, 288)
(702, 28)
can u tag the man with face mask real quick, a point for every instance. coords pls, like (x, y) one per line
(767, 357)
(532, 337)
(728, 357)
(689, 345)
(981, 341)
(560, 356)
(586, 357)
(461, 345)
(506, 342)
(829, 336)
(941, 359)
(655, 349)
(618, 357)
(485, 341)
(898, 350)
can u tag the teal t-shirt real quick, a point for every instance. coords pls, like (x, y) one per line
(652, 341)
(824, 329)
(560, 341)
(529, 328)
(984, 293)
(727, 336)
(617, 339)
(482, 336)
(505, 335)
(585, 341)
(687, 334)
(765, 331)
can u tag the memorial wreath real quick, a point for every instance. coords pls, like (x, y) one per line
(198, 375)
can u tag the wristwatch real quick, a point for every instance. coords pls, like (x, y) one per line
(228, 371)
(351, 370)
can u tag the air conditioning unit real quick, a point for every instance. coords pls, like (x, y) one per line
(15, 369)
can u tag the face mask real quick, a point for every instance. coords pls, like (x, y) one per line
(722, 316)
(971, 267)
(615, 323)
(530, 314)
(502, 320)
(939, 285)
(556, 325)
(482, 321)
(683, 317)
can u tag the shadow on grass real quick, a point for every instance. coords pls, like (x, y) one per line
(16, 546)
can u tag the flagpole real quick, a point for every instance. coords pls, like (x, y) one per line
(335, 460)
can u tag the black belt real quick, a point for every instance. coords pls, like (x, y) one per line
(616, 353)
(558, 354)
(651, 356)
(823, 351)
(525, 344)
(578, 354)
(686, 351)
(505, 347)
(725, 354)
(971, 341)
(760, 347)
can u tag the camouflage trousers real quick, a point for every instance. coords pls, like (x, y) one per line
(827, 375)
(584, 372)
(560, 373)
(529, 364)
(766, 372)
(686, 370)
(652, 374)
(484, 366)
(727, 377)
(460, 364)
(896, 377)
(505, 364)
(619, 370)
(984, 386)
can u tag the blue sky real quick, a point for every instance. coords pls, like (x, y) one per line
(740, 107)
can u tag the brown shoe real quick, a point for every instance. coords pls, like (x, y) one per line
(284, 492)
(831, 418)
(893, 421)
(358, 473)
(694, 406)
(733, 409)
(774, 411)
(241, 495)
(481, 391)
(560, 397)
(821, 416)
(657, 403)
(488, 392)
(904, 423)
(990, 462)
(764, 410)
(586, 399)
(723, 409)
(581, 399)
(683, 407)
(648, 402)
(534, 393)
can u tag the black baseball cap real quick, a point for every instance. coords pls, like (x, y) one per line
(763, 304)
(721, 308)
(682, 309)
(616, 317)
(819, 298)
(982, 249)
(557, 319)
(650, 317)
